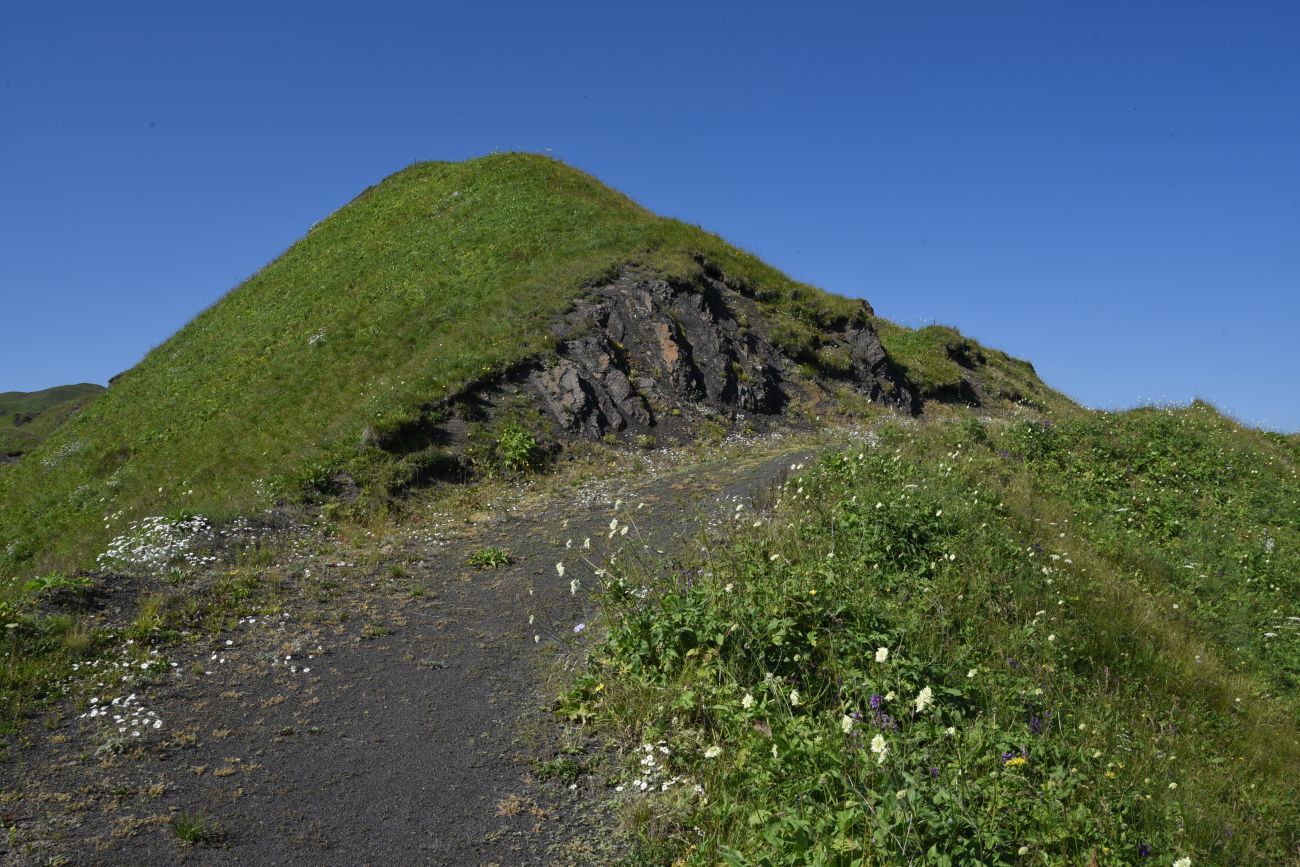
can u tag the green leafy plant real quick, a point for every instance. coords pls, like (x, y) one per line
(56, 583)
(489, 557)
(518, 449)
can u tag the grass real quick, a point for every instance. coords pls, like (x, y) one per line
(194, 829)
(956, 646)
(28, 418)
(439, 277)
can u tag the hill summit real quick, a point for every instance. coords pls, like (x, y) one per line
(407, 333)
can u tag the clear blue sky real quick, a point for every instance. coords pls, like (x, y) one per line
(1109, 189)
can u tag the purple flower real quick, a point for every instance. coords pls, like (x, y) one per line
(934, 772)
(579, 628)
(875, 702)
(1011, 662)
(856, 715)
(1144, 851)
(1036, 725)
(1006, 757)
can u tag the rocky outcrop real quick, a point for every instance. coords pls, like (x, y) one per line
(641, 351)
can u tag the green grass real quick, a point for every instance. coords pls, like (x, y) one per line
(194, 829)
(929, 356)
(1090, 693)
(438, 277)
(27, 418)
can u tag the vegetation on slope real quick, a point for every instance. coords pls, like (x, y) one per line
(27, 418)
(963, 643)
(442, 276)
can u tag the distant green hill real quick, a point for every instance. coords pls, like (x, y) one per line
(27, 418)
(443, 276)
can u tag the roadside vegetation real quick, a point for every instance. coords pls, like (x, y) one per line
(969, 643)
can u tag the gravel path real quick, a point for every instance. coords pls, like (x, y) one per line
(398, 716)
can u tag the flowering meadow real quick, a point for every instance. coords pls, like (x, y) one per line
(975, 643)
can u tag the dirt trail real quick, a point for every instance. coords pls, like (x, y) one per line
(408, 733)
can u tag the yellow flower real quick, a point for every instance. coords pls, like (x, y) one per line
(1017, 761)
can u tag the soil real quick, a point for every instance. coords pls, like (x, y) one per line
(400, 714)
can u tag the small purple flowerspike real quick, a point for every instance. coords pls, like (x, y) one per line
(579, 628)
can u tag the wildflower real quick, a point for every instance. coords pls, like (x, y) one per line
(879, 748)
(924, 699)
(1016, 762)
(1051, 637)
(559, 567)
(1144, 851)
(1183, 862)
(794, 698)
(876, 701)
(891, 695)
(970, 674)
(882, 653)
(747, 702)
(951, 730)
(1173, 786)
(846, 724)
(1023, 850)
(578, 628)
(573, 587)
(713, 752)
(901, 794)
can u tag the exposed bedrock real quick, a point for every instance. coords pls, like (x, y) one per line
(639, 349)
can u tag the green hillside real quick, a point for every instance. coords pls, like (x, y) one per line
(1006, 631)
(1048, 642)
(27, 418)
(443, 275)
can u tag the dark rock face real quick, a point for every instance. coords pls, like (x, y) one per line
(639, 351)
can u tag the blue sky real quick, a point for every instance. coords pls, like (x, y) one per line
(1111, 190)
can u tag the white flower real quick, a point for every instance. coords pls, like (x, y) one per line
(879, 748)
(1051, 637)
(794, 698)
(1023, 850)
(573, 587)
(891, 695)
(747, 702)
(846, 724)
(713, 752)
(952, 730)
(1183, 862)
(882, 653)
(972, 673)
(559, 567)
(924, 699)
(901, 794)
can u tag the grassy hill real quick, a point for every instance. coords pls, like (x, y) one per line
(1012, 632)
(27, 418)
(442, 276)
(1047, 642)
